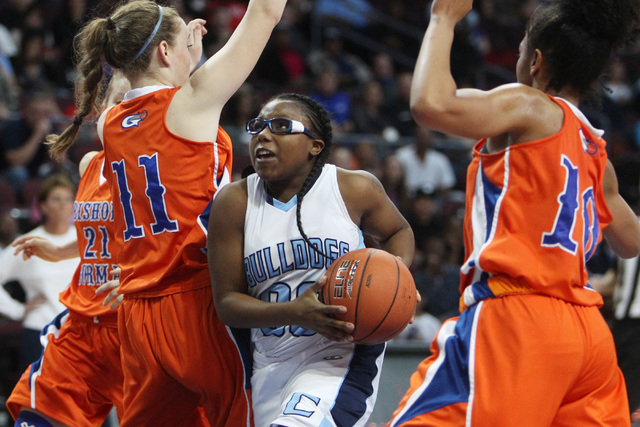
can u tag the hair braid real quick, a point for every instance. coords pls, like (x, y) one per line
(89, 42)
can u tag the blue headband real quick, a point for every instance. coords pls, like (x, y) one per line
(153, 34)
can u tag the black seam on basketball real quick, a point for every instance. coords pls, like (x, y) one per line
(390, 305)
(329, 283)
(355, 317)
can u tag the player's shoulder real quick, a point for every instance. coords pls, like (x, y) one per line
(232, 193)
(84, 162)
(357, 181)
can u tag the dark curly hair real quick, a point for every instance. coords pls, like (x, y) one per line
(577, 37)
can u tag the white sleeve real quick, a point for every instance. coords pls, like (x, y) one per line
(9, 307)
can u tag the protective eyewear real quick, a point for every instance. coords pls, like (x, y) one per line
(278, 126)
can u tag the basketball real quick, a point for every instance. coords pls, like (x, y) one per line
(378, 291)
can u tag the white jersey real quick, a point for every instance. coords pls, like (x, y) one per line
(300, 378)
(38, 278)
(280, 265)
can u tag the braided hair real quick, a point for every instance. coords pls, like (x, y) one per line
(578, 37)
(125, 41)
(321, 126)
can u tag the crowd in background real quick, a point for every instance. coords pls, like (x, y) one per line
(356, 58)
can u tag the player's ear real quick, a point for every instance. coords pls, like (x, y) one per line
(316, 147)
(536, 62)
(163, 52)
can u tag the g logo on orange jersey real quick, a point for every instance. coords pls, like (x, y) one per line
(134, 119)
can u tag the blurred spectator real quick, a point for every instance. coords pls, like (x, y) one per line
(342, 157)
(351, 13)
(22, 137)
(366, 155)
(425, 218)
(424, 328)
(368, 115)
(425, 168)
(398, 109)
(351, 69)
(437, 280)
(282, 64)
(337, 102)
(38, 62)
(70, 17)
(384, 73)
(8, 228)
(9, 89)
(618, 87)
(42, 280)
(393, 181)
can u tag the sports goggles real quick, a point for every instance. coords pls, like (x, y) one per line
(277, 125)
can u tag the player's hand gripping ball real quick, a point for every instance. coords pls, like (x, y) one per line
(378, 291)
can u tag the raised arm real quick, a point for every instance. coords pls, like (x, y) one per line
(201, 99)
(228, 279)
(437, 103)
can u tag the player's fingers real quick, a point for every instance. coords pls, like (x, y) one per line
(335, 334)
(112, 296)
(347, 327)
(107, 286)
(19, 240)
(116, 302)
(319, 284)
(334, 309)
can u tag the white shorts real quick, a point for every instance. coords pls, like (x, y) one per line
(324, 386)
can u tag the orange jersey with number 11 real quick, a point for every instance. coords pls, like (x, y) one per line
(161, 184)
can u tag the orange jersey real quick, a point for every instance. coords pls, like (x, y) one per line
(161, 184)
(534, 215)
(93, 218)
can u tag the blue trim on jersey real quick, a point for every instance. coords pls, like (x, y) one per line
(31, 419)
(481, 289)
(448, 387)
(243, 341)
(351, 402)
(491, 194)
(285, 207)
(204, 216)
(57, 324)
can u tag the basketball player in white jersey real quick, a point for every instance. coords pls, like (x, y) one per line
(271, 238)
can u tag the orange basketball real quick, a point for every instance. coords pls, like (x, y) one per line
(378, 291)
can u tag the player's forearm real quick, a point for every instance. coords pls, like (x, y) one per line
(401, 244)
(433, 85)
(239, 310)
(68, 251)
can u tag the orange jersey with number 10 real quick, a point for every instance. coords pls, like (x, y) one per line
(161, 184)
(534, 215)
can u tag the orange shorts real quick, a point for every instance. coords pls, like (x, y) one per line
(79, 378)
(520, 360)
(176, 355)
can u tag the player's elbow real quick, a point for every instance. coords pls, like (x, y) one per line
(630, 250)
(426, 111)
(271, 10)
(624, 246)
